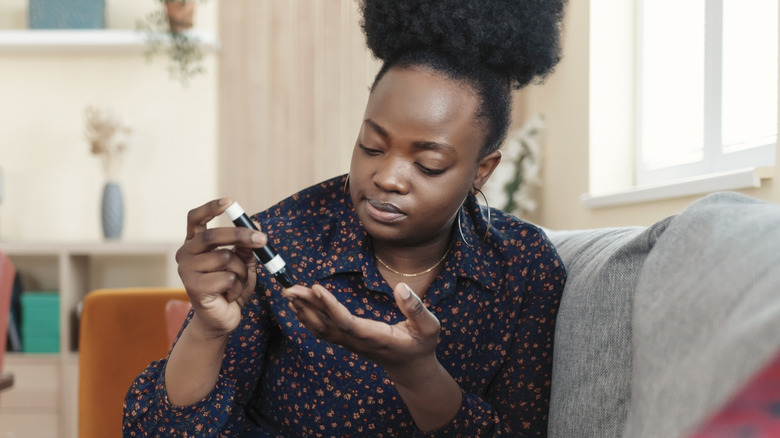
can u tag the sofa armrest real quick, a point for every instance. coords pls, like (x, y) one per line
(592, 359)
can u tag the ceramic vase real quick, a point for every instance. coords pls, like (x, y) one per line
(112, 211)
(180, 15)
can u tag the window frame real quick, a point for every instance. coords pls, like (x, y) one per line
(714, 159)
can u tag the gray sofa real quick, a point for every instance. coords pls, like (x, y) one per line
(660, 325)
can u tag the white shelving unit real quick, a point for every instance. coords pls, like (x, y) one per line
(86, 41)
(44, 396)
(43, 401)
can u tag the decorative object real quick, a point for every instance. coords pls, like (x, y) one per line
(112, 211)
(108, 137)
(167, 31)
(513, 182)
(67, 14)
(181, 15)
(40, 321)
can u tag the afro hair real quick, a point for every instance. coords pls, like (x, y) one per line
(518, 40)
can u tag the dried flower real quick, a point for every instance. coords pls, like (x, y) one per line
(107, 137)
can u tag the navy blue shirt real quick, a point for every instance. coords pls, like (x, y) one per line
(496, 302)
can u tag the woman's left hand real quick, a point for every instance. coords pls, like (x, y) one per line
(407, 350)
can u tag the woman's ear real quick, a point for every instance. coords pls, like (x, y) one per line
(485, 168)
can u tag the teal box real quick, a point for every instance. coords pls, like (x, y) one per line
(67, 14)
(40, 322)
(37, 344)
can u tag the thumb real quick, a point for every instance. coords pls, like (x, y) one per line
(415, 311)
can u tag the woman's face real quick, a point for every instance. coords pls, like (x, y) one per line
(417, 156)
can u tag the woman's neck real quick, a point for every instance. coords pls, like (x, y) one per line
(416, 265)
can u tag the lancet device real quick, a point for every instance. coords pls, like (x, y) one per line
(266, 255)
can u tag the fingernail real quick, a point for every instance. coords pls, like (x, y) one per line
(409, 292)
(257, 238)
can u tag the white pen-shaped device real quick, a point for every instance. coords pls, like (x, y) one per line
(266, 255)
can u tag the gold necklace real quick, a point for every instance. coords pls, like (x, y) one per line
(418, 273)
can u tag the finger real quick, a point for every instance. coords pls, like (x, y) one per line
(218, 237)
(292, 292)
(319, 311)
(199, 217)
(417, 315)
(246, 293)
(217, 260)
(311, 318)
(324, 319)
(361, 335)
(236, 291)
(336, 312)
(214, 284)
(299, 292)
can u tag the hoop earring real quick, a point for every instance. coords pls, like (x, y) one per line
(460, 229)
(346, 185)
(487, 204)
(487, 228)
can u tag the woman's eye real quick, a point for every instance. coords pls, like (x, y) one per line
(368, 150)
(429, 171)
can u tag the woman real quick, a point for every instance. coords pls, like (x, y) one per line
(417, 311)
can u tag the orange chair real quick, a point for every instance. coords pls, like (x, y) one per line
(7, 274)
(175, 313)
(121, 331)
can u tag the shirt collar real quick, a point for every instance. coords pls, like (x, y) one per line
(348, 249)
(474, 258)
(478, 262)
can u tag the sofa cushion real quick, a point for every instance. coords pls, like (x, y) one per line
(706, 312)
(592, 356)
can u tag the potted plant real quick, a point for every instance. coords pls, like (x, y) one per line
(167, 30)
(514, 181)
(181, 14)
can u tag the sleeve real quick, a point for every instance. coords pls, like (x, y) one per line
(147, 412)
(517, 402)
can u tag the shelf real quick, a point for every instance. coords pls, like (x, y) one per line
(19, 358)
(47, 383)
(86, 41)
(97, 248)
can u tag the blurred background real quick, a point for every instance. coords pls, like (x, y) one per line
(646, 112)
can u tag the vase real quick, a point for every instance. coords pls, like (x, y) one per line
(112, 211)
(180, 15)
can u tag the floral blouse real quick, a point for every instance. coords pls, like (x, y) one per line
(496, 301)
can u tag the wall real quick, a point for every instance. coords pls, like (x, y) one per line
(565, 100)
(294, 79)
(52, 184)
(309, 86)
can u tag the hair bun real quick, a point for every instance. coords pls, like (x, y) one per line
(518, 39)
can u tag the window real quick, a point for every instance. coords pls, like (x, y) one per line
(707, 77)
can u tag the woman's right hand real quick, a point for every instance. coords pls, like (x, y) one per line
(218, 280)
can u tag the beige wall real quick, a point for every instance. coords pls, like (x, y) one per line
(294, 78)
(52, 184)
(564, 101)
(288, 94)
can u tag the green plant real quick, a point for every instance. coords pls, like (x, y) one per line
(167, 35)
(512, 183)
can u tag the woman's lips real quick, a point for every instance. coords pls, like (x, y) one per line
(384, 211)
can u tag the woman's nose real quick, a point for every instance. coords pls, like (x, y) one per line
(391, 176)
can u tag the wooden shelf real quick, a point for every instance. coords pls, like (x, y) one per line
(97, 41)
(48, 382)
